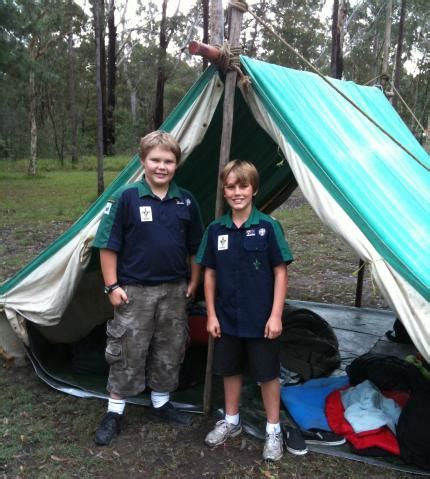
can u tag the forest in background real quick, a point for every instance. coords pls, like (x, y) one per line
(48, 63)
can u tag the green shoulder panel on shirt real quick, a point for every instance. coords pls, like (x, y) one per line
(202, 247)
(108, 216)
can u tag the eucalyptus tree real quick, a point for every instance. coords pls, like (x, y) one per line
(297, 21)
(43, 26)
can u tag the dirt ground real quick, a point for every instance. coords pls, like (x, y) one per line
(48, 434)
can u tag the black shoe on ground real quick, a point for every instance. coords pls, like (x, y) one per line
(324, 438)
(168, 413)
(293, 440)
(108, 429)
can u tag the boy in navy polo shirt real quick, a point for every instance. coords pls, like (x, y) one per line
(148, 236)
(246, 257)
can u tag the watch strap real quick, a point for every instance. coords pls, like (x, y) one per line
(111, 287)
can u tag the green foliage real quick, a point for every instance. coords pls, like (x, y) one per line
(34, 37)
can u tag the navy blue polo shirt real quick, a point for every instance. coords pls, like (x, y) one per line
(244, 259)
(152, 237)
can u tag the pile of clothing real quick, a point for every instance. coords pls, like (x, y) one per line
(381, 407)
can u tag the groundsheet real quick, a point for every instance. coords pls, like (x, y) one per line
(359, 330)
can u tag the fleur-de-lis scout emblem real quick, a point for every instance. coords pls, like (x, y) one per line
(108, 207)
(222, 242)
(145, 213)
(256, 264)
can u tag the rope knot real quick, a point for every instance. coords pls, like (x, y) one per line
(229, 60)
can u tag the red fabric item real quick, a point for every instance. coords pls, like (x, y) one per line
(197, 329)
(381, 437)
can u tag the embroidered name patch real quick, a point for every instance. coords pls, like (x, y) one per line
(222, 242)
(108, 206)
(250, 232)
(145, 213)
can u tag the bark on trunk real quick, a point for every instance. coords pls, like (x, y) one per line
(99, 94)
(205, 9)
(334, 39)
(111, 80)
(32, 166)
(101, 36)
(161, 75)
(398, 67)
(387, 41)
(216, 23)
(72, 101)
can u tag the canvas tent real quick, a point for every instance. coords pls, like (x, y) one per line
(297, 130)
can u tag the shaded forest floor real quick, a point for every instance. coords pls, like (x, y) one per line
(44, 433)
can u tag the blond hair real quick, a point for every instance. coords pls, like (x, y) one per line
(246, 173)
(159, 138)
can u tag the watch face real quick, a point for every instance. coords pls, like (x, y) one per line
(106, 290)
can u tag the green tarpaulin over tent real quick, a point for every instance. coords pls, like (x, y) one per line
(297, 130)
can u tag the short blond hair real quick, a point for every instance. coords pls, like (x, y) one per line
(246, 173)
(159, 138)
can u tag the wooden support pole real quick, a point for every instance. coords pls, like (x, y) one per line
(227, 126)
(359, 288)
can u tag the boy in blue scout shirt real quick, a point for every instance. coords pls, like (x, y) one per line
(148, 236)
(245, 257)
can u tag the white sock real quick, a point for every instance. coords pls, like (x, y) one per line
(159, 399)
(271, 428)
(116, 405)
(233, 419)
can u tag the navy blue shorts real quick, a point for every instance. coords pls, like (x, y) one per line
(258, 357)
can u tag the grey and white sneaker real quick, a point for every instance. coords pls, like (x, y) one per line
(273, 448)
(221, 432)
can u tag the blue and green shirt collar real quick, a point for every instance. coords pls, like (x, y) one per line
(253, 219)
(145, 190)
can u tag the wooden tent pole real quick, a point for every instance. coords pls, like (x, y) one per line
(227, 126)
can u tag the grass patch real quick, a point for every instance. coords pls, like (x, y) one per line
(60, 195)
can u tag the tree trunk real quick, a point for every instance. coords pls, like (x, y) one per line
(216, 23)
(97, 6)
(161, 74)
(334, 38)
(58, 147)
(398, 66)
(32, 167)
(111, 80)
(72, 101)
(205, 9)
(387, 38)
(337, 27)
(340, 33)
(103, 66)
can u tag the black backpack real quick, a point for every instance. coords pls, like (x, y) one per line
(387, 372)
(413, 430)
(309, 345)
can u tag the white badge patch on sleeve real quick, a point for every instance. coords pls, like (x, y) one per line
(145, 213)
(222, 242)
(108, 206)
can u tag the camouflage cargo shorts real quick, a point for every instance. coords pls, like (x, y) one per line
(146, 339)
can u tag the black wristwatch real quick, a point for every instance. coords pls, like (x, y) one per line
(110, 288)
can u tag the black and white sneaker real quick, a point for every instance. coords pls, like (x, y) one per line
(293, 440)
(324, 438)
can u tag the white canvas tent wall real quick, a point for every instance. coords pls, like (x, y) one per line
(295, 129)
